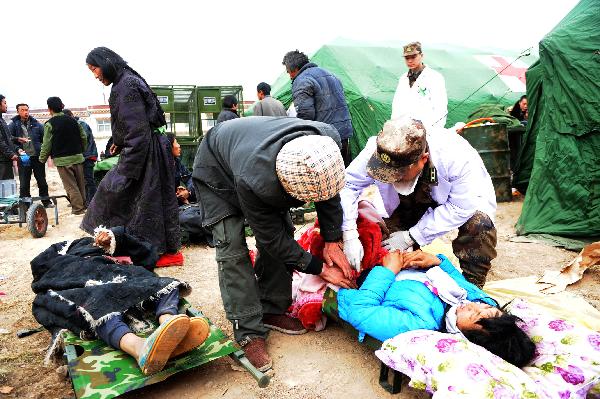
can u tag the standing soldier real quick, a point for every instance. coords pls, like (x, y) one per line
(421, 93)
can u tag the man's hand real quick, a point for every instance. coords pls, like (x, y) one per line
(335, 276)
(399, 240)
(23, 140)
(102, 240)
(114, 149)
(334, 255)
(420, 260)
(14, 157)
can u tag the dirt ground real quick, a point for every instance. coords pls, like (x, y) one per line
(325, 364)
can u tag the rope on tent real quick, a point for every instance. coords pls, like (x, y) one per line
(524, 53)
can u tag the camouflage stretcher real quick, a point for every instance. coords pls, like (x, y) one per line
(98, 371)
(391, 383)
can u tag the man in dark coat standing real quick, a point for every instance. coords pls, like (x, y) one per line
(8, 151)
(28, 133)
(258, 168)
(229, 109)
(319, 96)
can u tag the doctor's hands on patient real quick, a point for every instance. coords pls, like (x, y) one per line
(353, 248)
(335, 276)
(399, 240)
(334, 256)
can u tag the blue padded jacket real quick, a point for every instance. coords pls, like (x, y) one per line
(383, 307)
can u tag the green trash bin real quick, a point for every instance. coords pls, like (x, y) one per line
(491, 142)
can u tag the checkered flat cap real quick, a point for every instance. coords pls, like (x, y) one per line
(311, 168)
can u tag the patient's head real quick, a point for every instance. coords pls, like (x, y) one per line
(496, 331)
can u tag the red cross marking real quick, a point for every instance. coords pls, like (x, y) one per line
(510, 70)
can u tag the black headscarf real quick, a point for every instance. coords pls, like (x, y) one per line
(112, 66)
(108, 61)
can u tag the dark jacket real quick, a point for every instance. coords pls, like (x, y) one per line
(234, 174)
(66, 136)
(226, 115)
(90, 152)
(183, 177)
(36, 132)
(319, 96)
(7, 148)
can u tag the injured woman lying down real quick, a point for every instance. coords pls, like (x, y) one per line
(417, 290)
(89, 285)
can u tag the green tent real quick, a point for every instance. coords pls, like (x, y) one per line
(370, 73)
(559, 165)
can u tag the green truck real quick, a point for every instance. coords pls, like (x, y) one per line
(191, 111)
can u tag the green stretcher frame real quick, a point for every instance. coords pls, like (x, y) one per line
(98, 371)
(389, 379)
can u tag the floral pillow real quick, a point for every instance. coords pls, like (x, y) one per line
(451, 367)
(567, 357)
(566, 365)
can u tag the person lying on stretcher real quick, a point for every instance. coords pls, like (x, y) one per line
(86, 286)
(417, 290)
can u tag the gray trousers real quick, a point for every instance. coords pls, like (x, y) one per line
(249, 292)
(74, 184)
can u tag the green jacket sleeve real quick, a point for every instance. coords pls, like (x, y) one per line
(46, 143)
(84, 140)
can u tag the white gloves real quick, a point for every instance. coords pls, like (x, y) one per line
(353, 248)
(399, 240)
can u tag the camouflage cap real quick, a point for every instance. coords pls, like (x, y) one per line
(399, 145)
(412, 48)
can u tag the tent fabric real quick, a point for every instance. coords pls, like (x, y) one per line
(497, 113)
(370, 74)
(559, 165)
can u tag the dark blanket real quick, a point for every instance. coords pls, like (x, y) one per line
(78, 286)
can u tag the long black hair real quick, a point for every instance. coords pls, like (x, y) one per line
(112, 65)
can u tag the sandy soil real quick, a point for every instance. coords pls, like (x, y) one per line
(316, 365)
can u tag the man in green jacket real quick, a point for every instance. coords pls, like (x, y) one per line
(65, 141)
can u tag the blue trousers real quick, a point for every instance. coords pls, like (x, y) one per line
(114, 328)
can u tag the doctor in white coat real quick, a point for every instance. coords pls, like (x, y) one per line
(421, 93)
(431, 182)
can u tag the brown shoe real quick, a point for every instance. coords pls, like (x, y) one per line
(256, 352)
(283, 323)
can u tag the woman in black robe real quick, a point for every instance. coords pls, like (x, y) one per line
(138, 192)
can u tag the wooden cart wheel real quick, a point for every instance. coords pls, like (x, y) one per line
(37, 220)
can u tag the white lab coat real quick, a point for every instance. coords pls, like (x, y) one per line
(426, 100)
(464, 187)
